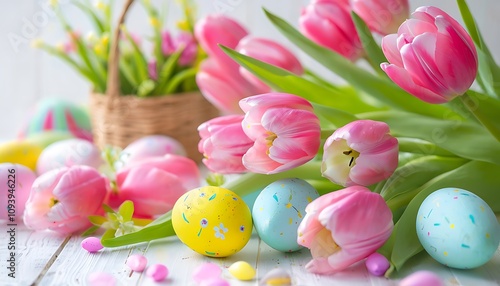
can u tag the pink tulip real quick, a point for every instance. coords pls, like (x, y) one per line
(223, 143)
(270, 52)
(360, 153)
(224, 88)
(344, 227)
(15, 182)
(62, 199)
(213, 30)
(285, 130)
(431, 56)
(329, 23)
(154, 184)
(382, 16)
(183, 40)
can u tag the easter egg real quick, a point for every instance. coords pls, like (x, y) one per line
(278, 211)
(20, 152)
(56, 114)
(67, 153)
(44, 139)
(151, 146)
(212, 221)
(457, 228)
(16, 181)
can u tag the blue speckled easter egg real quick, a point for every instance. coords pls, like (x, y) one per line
(458, 228)
(278, 211)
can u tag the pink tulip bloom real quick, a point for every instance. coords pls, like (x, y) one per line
(154, 184)
(328, 23)
(269, 52)
(224, 88)
(213, 30)
(62, 199)
(223, 143)
(431, 56)
(285, 130)
(183, 40)
(15, 181)
(382, 16)
(344, 227)
(360, 153)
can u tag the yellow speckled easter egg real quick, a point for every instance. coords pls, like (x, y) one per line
(20, 152)
(212, 221)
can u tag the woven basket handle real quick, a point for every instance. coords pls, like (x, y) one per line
(113, 80)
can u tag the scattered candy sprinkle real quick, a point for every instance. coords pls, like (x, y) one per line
(137, 262)
(421, 278)
(276, 277)
(242, 270)
(377, 264)
(216, 281)
(206, 271)
(101, 279)
(92, 244)
(158, 272)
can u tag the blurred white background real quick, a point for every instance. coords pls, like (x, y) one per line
(28, 75)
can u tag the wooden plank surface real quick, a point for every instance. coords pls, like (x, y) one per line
(44, 258)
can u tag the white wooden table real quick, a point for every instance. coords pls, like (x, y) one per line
(44, 258)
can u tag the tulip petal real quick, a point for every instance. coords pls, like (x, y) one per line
(402, 78)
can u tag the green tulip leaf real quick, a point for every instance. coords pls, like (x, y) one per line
(285, 81)
(398, 188)
(372, 49)
(159, 228)
(464, 139)
(419, 146)
(380, 88)
(485, 109)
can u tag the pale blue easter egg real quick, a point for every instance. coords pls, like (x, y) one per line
(457, 228)
(278, 211)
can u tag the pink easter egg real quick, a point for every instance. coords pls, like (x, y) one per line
(16, 181)
(377, 264)
(92, 244)
(151, 146)
(217, 281)
(67, 153)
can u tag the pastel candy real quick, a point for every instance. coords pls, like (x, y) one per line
(137, 262)
(276, 277)
(158, 272)
(242, 270)
(214, 282)
(57, 114)
(101, 279)
(92, 244)
(206, 271)
(421, 278)
(377, 264)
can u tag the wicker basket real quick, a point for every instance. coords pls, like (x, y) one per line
(118, 120)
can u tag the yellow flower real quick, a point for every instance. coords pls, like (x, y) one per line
(100, 5)
(153, 21)
(37, 43)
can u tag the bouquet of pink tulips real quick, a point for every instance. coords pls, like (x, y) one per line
(169, 68)
(374, 149)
